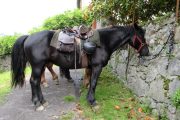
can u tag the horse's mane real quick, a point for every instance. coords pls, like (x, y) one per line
(130, 28)
(127, 28)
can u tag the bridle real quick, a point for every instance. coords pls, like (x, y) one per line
(138, 39)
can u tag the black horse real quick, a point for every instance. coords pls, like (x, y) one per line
(37, 50)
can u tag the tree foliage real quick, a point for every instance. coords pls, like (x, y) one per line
(124, 11)
(67, 19)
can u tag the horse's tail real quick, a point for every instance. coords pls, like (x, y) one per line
(18, 62)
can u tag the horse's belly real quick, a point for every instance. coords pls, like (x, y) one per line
(65, 60)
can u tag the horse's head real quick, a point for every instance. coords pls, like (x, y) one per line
(138, 40)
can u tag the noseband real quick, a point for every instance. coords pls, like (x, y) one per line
(136, 38)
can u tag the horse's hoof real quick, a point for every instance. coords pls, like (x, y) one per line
(96, 108)
(40, 108)
(70, 80)
(45, 85)
(87, 87)
(45, 104)
(93, 104)
(57, 82)
(55, 77)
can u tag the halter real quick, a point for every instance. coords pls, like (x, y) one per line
(135, 38)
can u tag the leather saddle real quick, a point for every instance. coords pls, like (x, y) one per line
(67, 41)
(66, 38)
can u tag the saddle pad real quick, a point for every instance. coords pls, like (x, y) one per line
(54, 40)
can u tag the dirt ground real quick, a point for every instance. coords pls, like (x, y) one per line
(18, 105)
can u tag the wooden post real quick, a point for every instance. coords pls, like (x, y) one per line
(177, 10)
(177, 29)
(79, 4)
(94, 24)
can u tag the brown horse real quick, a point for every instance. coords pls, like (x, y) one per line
(64, 73)
(44, 82)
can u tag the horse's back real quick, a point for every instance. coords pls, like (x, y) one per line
(39, 38)
(37, 45)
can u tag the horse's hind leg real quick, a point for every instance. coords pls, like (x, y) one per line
(54, 75)
(43, 80)
(37, 96)
(65, 73)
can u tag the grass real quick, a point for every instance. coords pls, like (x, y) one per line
(116, 101)
(69, 98)
(67, 116)
(5, 84)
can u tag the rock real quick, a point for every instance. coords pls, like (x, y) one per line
(153, 104)
(155, 112)
(139, 86)
(177, 114)
(161, 107)
(177, 35)
(156, 90)
(121, 70)
(174, 85)
(174, 67)
(151, 74)
(172, 109)
(5, 64)
(171, 116)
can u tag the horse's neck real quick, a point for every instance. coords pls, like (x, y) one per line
(119, 38)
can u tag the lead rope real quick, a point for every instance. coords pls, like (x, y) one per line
(129, 49)
(75, 64)
(75, 67)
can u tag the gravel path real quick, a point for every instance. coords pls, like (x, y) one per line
(18, 105)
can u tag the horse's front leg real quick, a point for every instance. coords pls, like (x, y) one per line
(37, 96)
(96, 71)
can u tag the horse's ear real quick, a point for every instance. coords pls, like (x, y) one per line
(136, 25)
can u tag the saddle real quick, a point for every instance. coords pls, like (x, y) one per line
(66, 41)
(67, 38)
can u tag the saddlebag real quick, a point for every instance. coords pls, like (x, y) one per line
(89, 47)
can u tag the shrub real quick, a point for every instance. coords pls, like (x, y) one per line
(6, 43)
(67, 19)
(36, 29)
(176, 98)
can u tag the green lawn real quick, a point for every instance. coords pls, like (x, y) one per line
(5, 84)
(115, 101)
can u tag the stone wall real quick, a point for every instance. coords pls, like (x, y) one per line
(155, 81)
(5, 63)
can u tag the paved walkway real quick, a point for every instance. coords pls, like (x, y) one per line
(18, 105)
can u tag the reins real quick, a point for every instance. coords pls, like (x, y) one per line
(135, 38)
